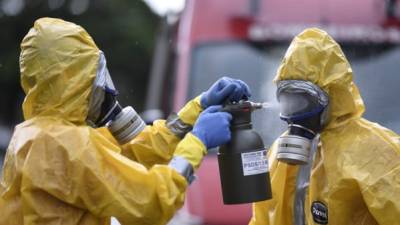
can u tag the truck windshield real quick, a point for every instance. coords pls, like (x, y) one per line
(374, 69)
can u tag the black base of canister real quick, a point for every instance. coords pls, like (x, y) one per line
(238, 188)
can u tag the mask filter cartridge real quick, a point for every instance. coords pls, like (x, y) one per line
(126, 125)
(294, 148)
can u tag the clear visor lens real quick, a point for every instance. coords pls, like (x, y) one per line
(102, 83)
(292, 104)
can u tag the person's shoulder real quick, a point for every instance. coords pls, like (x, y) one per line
(361, 138)
(26, 133)
(63, 134)
(54, 132)
(374, 132)
(376, 152)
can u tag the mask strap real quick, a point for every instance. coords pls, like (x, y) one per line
(110, 114)
(302, 184)
(302, 116)
(111, 91)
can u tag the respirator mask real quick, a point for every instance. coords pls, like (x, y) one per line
(104, 109)
(304, 106)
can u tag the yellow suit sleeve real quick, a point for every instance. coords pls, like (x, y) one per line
(88, 172)
(156, 143)
(382, 198)
(381, 187)
(192, 149)
(189, 113)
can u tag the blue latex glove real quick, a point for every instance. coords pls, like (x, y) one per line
(225, 89)
(212, 127)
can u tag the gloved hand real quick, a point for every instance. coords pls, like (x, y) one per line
(212, 127)
(223, 89)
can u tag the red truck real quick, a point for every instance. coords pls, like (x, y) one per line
(246, 39)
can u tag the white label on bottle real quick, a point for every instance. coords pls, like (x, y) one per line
(254, 162)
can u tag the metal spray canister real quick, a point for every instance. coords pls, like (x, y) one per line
(243, 163)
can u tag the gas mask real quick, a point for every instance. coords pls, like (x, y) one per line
(104, 109)
(304, 106)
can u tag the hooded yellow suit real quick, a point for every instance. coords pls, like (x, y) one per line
(356, 170)
(60, 171)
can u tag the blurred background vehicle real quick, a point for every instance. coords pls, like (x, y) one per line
(162, 57)
(246, 39)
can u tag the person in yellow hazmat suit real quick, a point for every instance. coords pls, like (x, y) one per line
(331, 166)
(59, 170)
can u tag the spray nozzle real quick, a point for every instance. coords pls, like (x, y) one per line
(256, 105)
(241, 111)
(242, 106)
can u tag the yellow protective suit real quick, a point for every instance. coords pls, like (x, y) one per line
(60, 171)
(356, 170)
